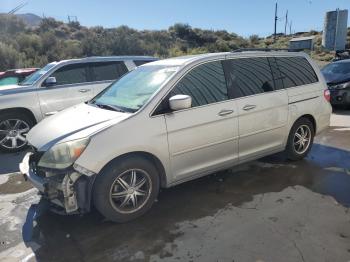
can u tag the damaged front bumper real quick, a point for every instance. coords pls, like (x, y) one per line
(68, 190)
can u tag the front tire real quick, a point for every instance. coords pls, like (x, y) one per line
(300, 139)
(126, 189)
(13, 131)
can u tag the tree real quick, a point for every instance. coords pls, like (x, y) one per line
(254, 40)
(9, 57)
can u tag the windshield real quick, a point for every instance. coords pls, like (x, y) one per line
(31, 79)
(134, 89)
(337, 68)
(11, 80)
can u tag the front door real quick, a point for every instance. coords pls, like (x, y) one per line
(203, 138)
(72, 87)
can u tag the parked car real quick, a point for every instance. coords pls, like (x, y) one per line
(337, 75)
(175, 120)
(341, 54)
(15, 76)
(56, 86)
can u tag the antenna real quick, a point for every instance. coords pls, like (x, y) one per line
(14, 10)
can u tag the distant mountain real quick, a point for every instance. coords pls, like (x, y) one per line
(29, 19)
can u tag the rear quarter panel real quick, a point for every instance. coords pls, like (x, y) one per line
(309, 100)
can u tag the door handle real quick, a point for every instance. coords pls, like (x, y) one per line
(225, 112)
(249, 107)
(84, 90)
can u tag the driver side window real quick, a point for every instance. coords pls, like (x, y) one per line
(71, 74)
(205, 84)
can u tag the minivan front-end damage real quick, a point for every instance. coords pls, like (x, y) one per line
(68, 190)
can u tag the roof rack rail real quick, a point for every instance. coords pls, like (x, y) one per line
(266, 50)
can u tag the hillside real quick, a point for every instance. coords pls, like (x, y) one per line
(52, 40)
(30, 20)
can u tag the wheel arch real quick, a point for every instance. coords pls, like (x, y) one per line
(21, 110)
(151, 157)
(311, 119)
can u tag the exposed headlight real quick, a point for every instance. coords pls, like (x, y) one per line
(63, 155)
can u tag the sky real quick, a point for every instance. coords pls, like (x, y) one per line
(243, 17)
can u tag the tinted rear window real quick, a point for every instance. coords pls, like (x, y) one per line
(296, 71)
(107, 70)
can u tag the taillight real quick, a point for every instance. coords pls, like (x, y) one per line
(327, 95)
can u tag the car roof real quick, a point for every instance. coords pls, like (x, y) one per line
(185, 60)
(107, 58)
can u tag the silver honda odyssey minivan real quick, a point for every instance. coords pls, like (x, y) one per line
(175, 120)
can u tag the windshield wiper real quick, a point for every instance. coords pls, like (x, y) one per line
(110, 107)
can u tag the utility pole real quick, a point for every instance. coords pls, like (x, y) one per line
(72, 18)
(290, 27)
(276, 18)
(286, 23)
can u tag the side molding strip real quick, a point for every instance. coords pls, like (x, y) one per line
(302, 100)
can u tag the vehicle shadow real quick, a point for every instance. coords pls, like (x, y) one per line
(326, 171)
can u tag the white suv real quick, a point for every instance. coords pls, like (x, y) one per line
(56, 86)
(174, 120)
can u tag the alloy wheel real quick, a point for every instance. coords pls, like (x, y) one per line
(13, 133)
(302, 139)
(130, 191)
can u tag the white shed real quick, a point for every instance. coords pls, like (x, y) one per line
(306, 42)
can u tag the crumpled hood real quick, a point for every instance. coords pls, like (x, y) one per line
(75, 122)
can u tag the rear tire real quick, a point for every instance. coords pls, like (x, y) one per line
(300, 139)
(13, 131)
(126, 189)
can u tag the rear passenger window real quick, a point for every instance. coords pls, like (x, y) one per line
(107, 70)
(248, 76)
(296, 71)
(71, 74)
(277, 76)
(205, 84)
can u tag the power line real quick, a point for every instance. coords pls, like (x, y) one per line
(14, 10)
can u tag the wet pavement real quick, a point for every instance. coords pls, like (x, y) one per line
(266, 210)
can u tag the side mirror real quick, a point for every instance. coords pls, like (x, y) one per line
(179, 102)
(50, 81)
